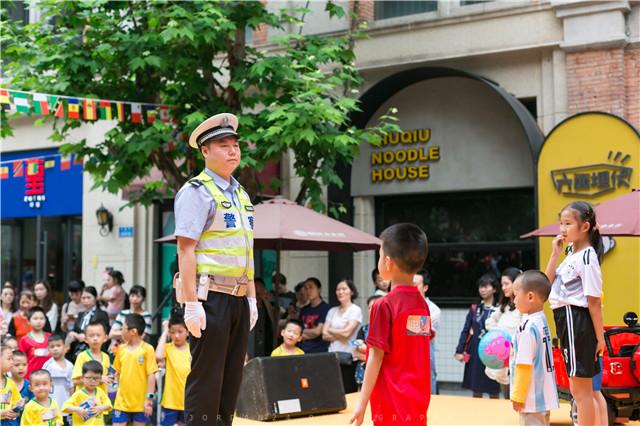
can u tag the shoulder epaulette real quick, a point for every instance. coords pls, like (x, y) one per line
(196, 183)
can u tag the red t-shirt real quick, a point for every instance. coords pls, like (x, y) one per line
(37, 352)
(400, 325)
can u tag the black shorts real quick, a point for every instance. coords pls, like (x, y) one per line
(577, 340)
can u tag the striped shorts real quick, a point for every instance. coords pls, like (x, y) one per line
(577, 340)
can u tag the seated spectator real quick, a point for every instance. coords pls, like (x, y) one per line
(282, 295)
(360, 351)
(301, 301)
(19, 324)
(313, 316)
(44, 298)
(93, 313)
(382, 286)
(291, 336)
(263, 336)
(11, 342)
(72, 309)
(340, 329)
(34, 344)
(19, 374)
(9, 303)
(422, 280)
(112, 295)
(137, 296)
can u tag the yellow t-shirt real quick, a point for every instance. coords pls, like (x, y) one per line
(86, 356)
(36, 414)
(134, 367)
(9, 394)
(81, 396)
(178, 366)
(279, 351)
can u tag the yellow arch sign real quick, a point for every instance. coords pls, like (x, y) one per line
(594, 157)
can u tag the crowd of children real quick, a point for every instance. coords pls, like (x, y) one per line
(40, 386)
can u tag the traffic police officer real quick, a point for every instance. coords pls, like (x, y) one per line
(214, 229)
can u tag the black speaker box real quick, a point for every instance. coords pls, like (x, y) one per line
(290, 386)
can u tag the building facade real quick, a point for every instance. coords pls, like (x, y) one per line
(477, 87)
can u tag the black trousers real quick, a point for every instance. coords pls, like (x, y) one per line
(217, 360)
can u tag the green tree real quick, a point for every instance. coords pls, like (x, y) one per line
(193, 56)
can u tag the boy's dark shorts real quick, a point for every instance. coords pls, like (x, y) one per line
(171, 417)
(577, 340)
(125, 417)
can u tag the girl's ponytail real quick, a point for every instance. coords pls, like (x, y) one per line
(596, 242)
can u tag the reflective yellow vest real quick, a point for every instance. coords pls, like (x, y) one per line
(226, 248)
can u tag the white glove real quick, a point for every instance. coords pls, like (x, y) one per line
(194, 318)
(253, 312)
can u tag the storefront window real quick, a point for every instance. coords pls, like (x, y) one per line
(42, 248)
(11, 243)
(470, 233)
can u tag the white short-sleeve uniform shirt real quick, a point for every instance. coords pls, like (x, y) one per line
(577, 277)
(532, 346)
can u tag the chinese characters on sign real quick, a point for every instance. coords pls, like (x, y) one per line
(595, 179)
(34, 183)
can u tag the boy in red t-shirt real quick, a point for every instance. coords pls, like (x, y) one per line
(34, 344)
(397, 378)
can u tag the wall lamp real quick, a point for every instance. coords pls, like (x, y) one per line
(105, 220)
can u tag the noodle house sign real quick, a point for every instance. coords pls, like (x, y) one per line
(408, 159)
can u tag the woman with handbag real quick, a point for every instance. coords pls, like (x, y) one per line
(474, 327)
(340, 329)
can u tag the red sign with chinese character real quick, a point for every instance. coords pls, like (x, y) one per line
(34, 183)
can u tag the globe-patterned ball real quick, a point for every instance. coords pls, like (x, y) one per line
(494, 349)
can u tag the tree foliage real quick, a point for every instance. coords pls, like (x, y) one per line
(193, 56)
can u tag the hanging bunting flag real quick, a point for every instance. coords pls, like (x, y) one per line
(89, 108)
(49, 163)
(40, 105)
(120, 107)
(33, 167)
(164, 113)
(59, 108)
(4, 172)
(65, 163)
(21, 101)
(53, 102)
(136, 113)
(92, 109)
(105, 110)
(74, 108)
(151, 113)
(18, 169)
(4, 100)
(77, 160)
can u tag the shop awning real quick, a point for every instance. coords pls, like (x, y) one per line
(620, 216)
